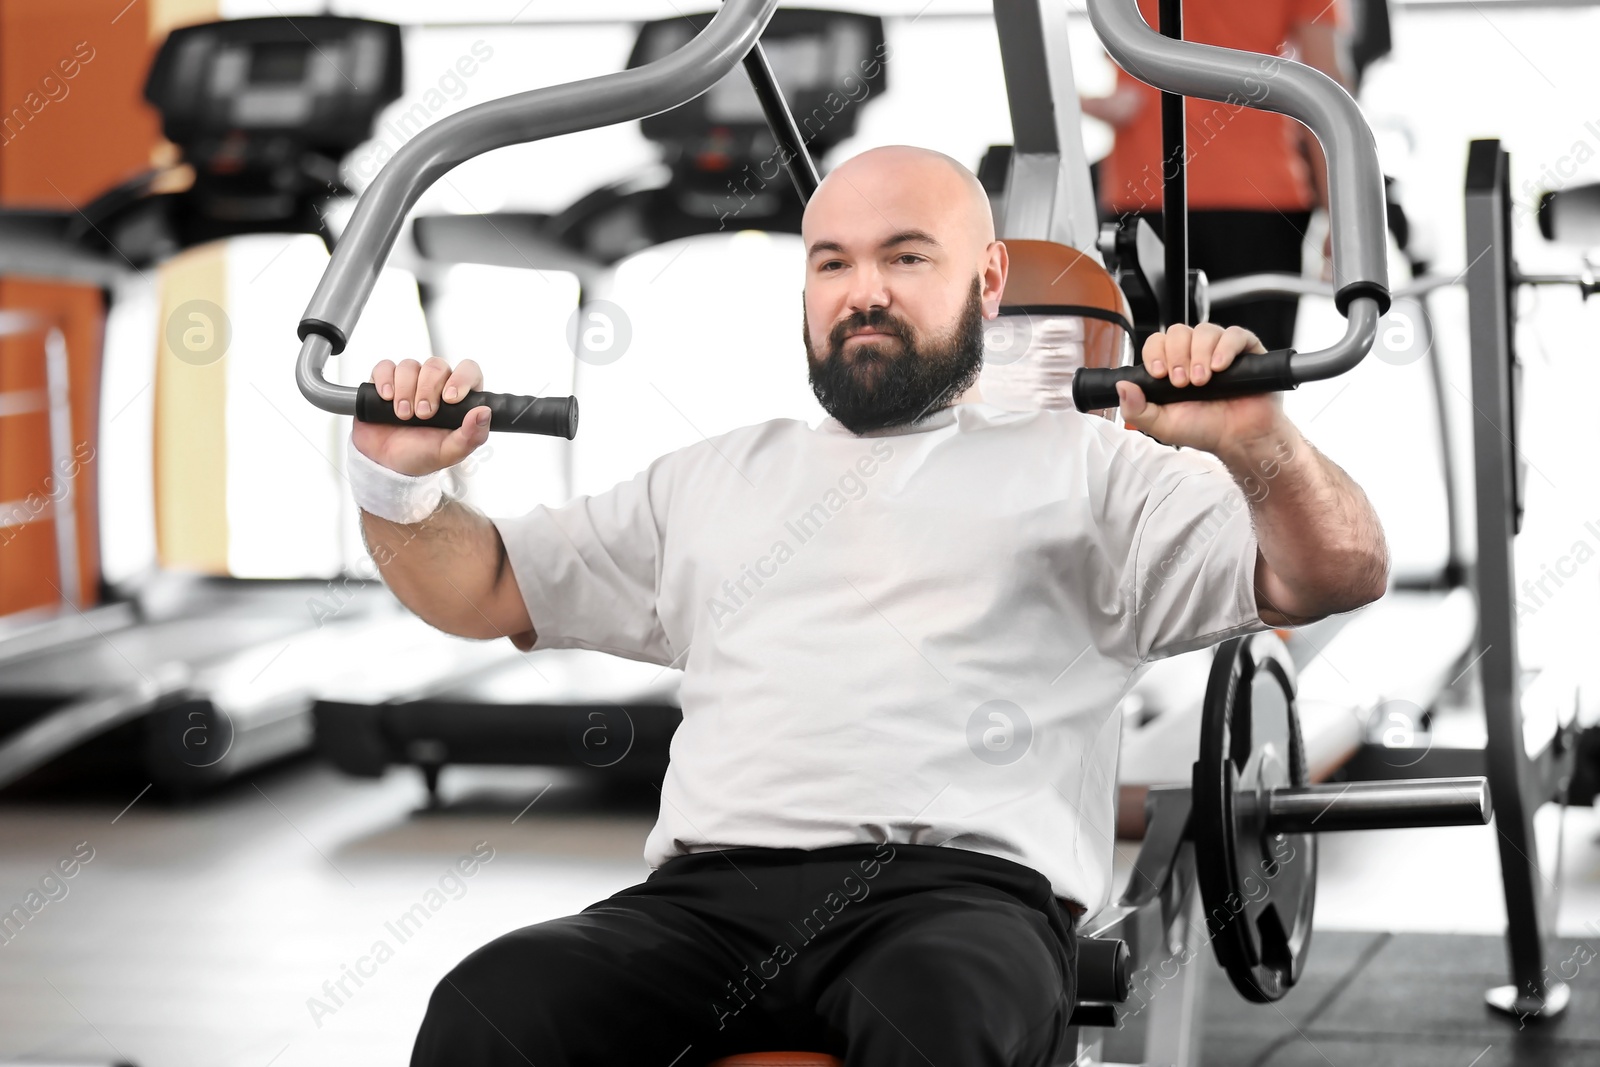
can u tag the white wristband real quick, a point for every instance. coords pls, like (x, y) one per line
(388, 494)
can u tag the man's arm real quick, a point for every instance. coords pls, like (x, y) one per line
(443, 559)
(1116, 109)
(452, 571)
(1321, 546)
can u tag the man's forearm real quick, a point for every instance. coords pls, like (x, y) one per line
(1322, 546)
(442, 568)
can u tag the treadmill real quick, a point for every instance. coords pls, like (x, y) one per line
(172, 669)
(719, 173)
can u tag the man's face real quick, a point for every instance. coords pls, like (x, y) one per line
(901, 271)
(878, 370)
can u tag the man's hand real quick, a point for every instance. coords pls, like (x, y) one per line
(1190, 356)
(415, 390)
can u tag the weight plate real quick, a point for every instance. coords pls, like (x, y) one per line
(1258, 889)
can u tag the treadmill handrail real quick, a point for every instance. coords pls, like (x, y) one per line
(1356, 209)
(622, 96)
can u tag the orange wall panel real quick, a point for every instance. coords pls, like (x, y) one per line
(30, 482)
(74, 120)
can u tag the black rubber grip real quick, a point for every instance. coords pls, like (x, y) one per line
(554, 416)
(1094, 388)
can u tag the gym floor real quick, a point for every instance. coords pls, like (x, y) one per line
(205, 934)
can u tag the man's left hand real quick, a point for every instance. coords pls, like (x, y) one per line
(1189, 356)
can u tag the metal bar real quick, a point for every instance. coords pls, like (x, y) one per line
(1489, 280)
(1250, 286)
(1378, 805)
(801, 167)
(62, 468)
(1048, 193)
(624, 96)
(1269, 83)
(1174, 185)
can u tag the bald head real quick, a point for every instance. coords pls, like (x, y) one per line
(903, 180)
(901, 269)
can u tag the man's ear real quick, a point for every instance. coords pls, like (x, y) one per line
(994, 277)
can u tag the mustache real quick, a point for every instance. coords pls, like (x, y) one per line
(875, 319)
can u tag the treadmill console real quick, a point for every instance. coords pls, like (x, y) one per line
(316, 81)
(828, 63)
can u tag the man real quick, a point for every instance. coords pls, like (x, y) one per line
(1253, 176)
(903, 635)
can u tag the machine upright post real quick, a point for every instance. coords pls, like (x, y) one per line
(1048, 194)
(1174, 185)
(799, 165)
(1519, 782)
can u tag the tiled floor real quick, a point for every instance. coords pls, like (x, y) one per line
(204, 935)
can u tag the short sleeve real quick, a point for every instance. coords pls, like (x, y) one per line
(1183, 547)
(589, 571)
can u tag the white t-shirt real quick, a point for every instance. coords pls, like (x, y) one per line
(917, 636)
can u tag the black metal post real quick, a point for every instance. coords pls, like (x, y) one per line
(802, 170)
(1518, 779)
(1174, 188)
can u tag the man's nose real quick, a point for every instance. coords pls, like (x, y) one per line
(867, 290)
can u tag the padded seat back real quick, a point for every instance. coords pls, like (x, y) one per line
(1061, 310)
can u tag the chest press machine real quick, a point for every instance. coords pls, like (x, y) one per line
(1242, 832)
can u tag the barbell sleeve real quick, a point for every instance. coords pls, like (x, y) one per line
(1394, 805)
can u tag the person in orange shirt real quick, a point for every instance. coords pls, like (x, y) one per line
(1254, 177)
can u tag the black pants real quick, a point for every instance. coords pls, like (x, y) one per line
(1226, 244)
(885, 955)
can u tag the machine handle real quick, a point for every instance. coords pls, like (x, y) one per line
(1356, 204)
(553, 416)
(1251, 373)
(364, 246)
(1357, 211)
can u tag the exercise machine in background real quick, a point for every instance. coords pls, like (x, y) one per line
(169, 672)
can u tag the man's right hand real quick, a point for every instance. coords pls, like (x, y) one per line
(415, 390)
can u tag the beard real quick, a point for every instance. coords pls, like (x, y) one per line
(900, 379)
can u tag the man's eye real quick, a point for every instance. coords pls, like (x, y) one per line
(911, 256)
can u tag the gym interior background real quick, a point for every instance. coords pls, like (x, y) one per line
(233, 766)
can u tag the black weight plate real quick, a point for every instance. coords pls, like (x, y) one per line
(1258, 889)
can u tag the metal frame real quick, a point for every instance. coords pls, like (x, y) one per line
(57, 402)
(1048, 193)
(1357, 210)
(1522, 781)
(624, 96)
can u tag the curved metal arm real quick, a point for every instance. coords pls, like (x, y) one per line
(1251, 286)
(624, 96)
(1356, 208)
(1269, 83)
